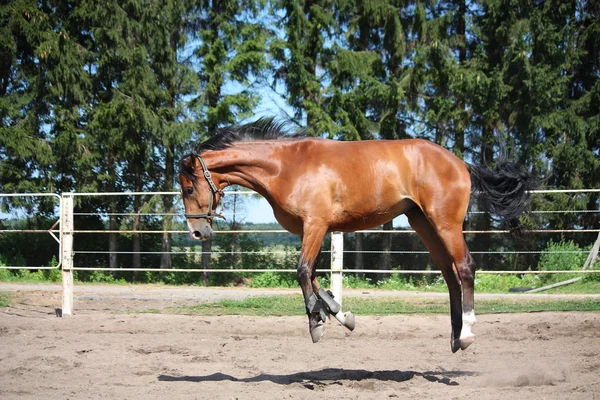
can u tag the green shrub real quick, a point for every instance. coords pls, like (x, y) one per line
(595, 277)
(6, 275)
(561, 256)
(104, 277)
(273, 280)
(503, 283)
(28, 276)
(55, 274)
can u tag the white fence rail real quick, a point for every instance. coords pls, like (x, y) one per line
(66, 231)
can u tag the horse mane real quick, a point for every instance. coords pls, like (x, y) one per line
(261, 129)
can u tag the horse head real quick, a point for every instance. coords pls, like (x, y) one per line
(200, 196)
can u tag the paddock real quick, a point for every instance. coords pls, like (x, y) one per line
(110, 349)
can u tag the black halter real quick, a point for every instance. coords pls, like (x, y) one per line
(213, 191)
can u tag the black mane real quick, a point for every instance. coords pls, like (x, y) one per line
(261, 129)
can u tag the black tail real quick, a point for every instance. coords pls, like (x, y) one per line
(505, 187)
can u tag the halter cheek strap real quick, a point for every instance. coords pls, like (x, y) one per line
(213, 192)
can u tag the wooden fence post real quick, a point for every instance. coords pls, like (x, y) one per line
(66, 226)
(337, 265)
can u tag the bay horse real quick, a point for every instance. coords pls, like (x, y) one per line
(318, 185)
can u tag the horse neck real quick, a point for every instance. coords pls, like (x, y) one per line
(250, 165)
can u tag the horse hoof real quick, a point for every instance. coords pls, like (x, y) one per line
(454, 343)
(317, 332)
(466, 341)
(350, 321)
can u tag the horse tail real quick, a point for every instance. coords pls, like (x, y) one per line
(506, 188)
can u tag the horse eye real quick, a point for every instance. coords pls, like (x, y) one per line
(189, 190)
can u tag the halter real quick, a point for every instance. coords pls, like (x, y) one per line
(213, 191)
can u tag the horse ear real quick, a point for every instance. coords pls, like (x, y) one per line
(195, 166)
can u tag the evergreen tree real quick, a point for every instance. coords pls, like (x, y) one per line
(168, 29)
(26, 39)
(374, 88)
(231, 54)
(300, 56)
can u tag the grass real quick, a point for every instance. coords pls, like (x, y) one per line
(5, 299)
(293, 305)
(583, 287)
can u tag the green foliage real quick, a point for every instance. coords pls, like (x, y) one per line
(593, 277)
(25, 275)
(6, 275)
(294, 305)
(274, 280)
(104, 277)
(108, 98)
(5, 299)
(488, 283)
(561, 256)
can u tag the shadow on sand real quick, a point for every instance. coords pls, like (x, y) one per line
(328, 376)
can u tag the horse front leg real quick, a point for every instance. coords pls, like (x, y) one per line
(311, 246)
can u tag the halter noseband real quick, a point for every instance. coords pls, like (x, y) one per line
(213, 191)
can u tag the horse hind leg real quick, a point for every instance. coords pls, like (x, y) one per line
(466, 273)
(346, 319)
(464, 266)
(442, 259)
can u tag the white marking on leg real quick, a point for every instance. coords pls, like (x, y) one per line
(468, 321)
(347, 319)
(340, 317)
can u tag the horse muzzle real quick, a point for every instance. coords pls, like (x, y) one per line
(200, 231)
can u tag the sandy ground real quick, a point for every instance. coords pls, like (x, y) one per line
(107, 351)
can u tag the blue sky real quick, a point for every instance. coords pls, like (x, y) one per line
(259, 211)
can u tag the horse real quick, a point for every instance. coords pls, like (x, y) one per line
(317, 185)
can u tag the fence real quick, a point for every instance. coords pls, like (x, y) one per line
(66, 231)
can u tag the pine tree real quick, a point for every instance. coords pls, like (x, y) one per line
(374, 90)
(230, 54)
(168, 29)
(27, 37)
(300, 56)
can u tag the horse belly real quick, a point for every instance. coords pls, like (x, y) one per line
(348, 220)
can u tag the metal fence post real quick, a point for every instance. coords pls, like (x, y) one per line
(337, 261)
(66, 226)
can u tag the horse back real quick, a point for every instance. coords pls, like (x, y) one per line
(373, 181)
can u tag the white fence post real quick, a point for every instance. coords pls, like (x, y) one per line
(337, 262)
(66, 226)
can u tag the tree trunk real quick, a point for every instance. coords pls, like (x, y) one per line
(137, 246)
(386, 256)
(311, 55)
(206, 254)
(112, 240)
(112, 224)
(359, 257)
(136, 239)
(459, 125)
(483, 221)
(166, 261)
